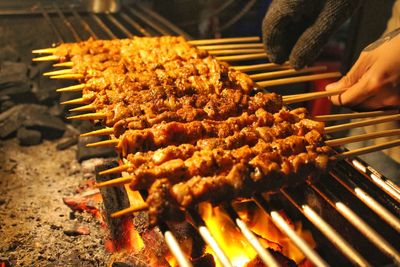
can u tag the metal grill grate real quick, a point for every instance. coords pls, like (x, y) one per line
(353, 211)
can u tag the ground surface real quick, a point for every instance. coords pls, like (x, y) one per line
(34, 221)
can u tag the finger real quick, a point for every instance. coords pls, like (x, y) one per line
(312, 41)
(354, 95)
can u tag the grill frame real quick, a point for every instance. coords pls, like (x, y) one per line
(353, 176)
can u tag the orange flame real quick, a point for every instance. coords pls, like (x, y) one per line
(227, 235)
(260, 223)
(234, 244)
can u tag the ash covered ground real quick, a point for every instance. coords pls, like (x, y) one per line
(36, 227)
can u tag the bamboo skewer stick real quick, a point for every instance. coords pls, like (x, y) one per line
(351, 125)
(78, 101)
(46, 58)
(363, 137)
(105, 131)
(235, 51)
(72, 76)
(368, 149)
(64, 64)
(356, 115)
(225, 40)
(290, 99)
(49, 50)
(347, 154)
(237, 42)
(243, 57)
(111, 142)
(89, 107)
(89, 116)
(334, 142)
(114, 142)
(115, 182)
(129, 210)
(231, 46)
(276, 74)
(264, 66)
(115, 170)
(306, 78)
(58, 72)
(72, 88)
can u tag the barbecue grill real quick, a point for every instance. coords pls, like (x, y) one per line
(352, 212)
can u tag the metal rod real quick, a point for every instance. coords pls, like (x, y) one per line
(329, 232)
(374, 205)
(96, 18)
(135, 25)
(264, 254)
(84, 24)
(119, 25)
(378, 208)
(334, 237)
(148, 21)
(50, 22)
(387, 186)
(358, 223)
(283, 226)
(67, 23)
(176, 250)
(370, 233)
(379, 180)
(165, 22)
(209, 239)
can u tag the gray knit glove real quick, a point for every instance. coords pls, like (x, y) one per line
(298, 29)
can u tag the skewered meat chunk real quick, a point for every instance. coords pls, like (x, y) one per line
(212, 109)
(164, 73)
(189, 126)
(177, 133)
(262, 174)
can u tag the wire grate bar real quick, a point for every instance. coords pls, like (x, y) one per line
(67, 23)
(264, 254)
(119, 25)
(165, 22)
(371, 203)
(84, 24)
(52, 25)
(135, 25)
(209, 239)
(359, 223)
(148, 21)
(102, 25)
(283, 226)
(175, 249)
(329, 232)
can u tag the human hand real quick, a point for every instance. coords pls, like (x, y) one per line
(374, 80)
(298, 29)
